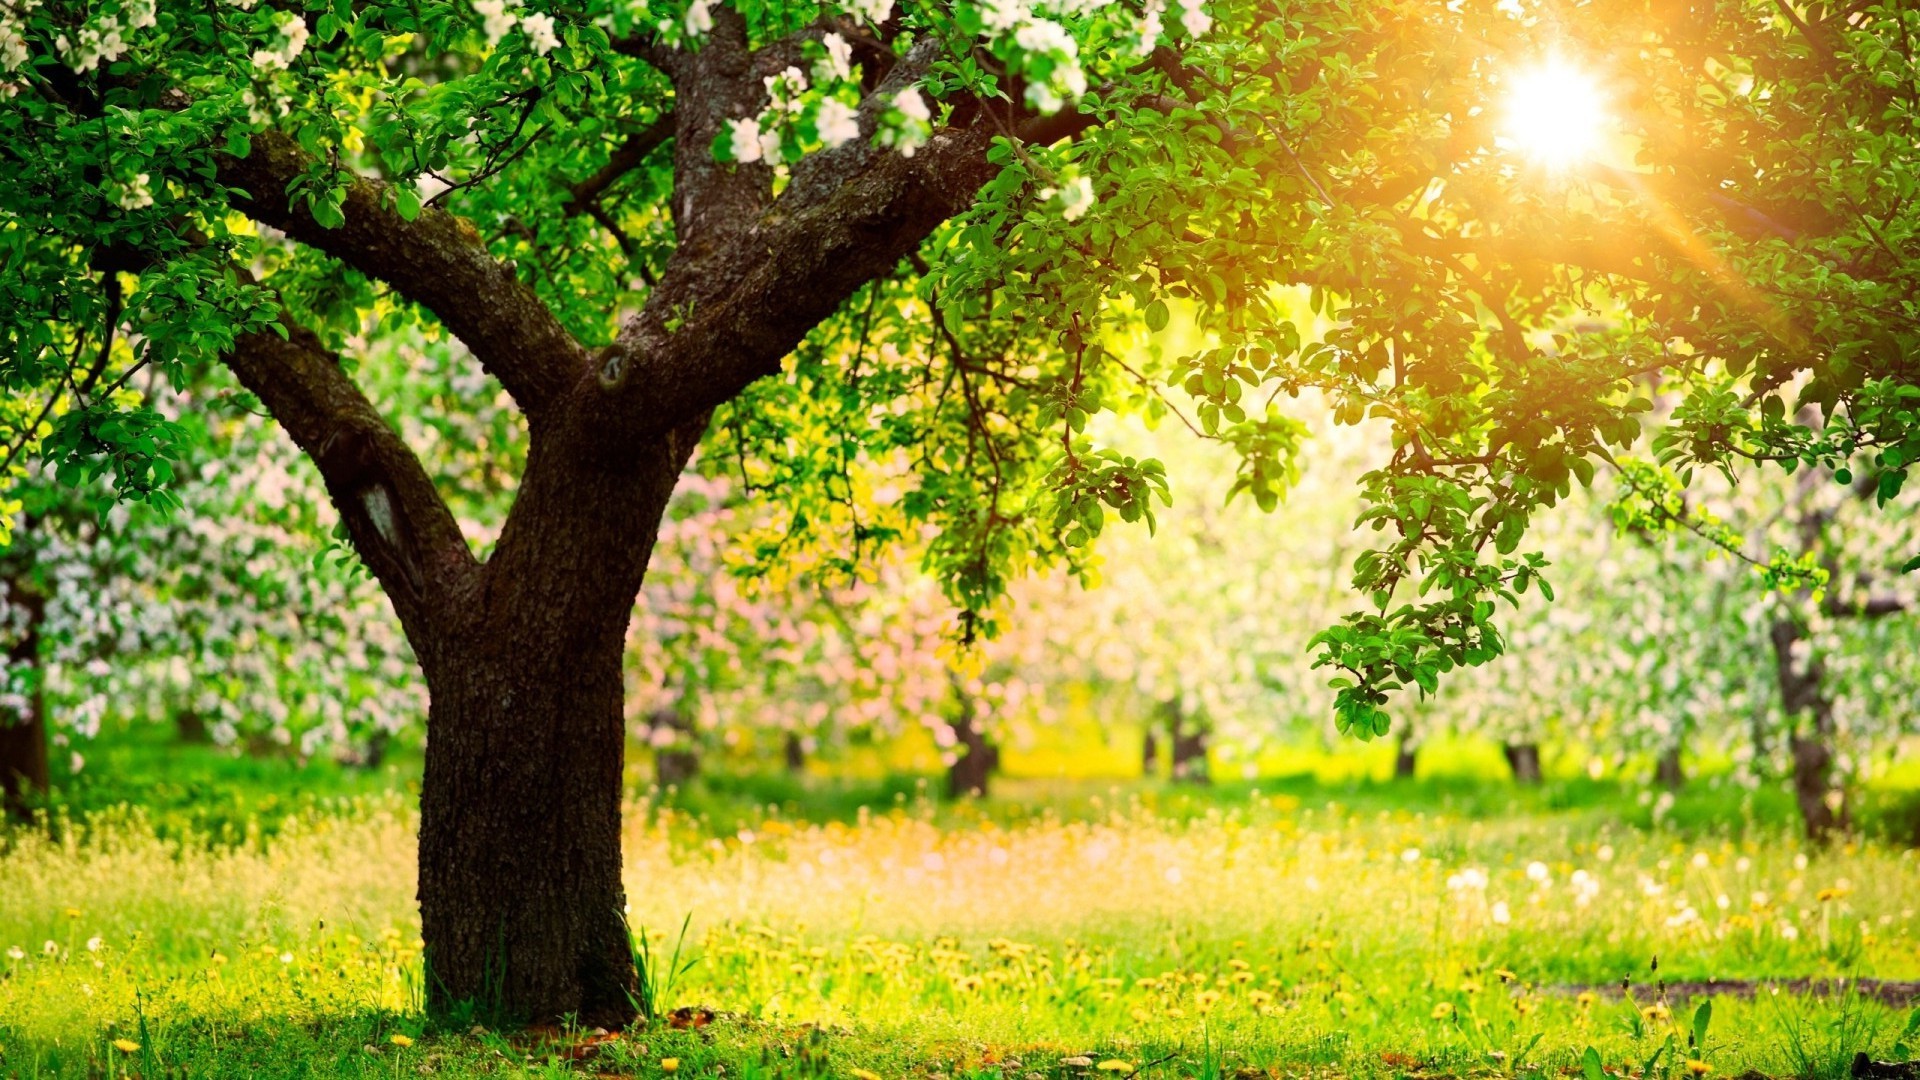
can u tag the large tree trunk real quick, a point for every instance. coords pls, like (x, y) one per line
(1149, 752)
(23, 730)
(1524, 760)
(522, 904)
(977, 758)
(1823, 804)
(794, 751)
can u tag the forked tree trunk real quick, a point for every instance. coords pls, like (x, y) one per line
(1669, 772)
(23, 731)
(522, 903)
(1823, 804)
(977, 758)
(1406, 758)
(1524, 760)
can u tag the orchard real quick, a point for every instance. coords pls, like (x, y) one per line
(527, 520)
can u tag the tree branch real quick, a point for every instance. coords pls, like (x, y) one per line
(398, 522)
(436, 261)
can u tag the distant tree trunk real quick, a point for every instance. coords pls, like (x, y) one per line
(1668, 772)
(1149, 753)
(1823, 804)
(1524, 760)
(367, 755)
(1405, 757)
(795, 753)
(1189, 744)
(978, 759)
(677, 763)
(23, 729)
(191, 728)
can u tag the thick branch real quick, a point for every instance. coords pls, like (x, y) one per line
(436, 261)
(398, 522)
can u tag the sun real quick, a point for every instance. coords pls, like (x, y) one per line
(1556, 114)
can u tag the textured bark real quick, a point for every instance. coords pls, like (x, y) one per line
(978, 759)
(23, 737)
(1524, 760)
(794, 753)
(1823, 805)
(521, 898)
(1669, 772)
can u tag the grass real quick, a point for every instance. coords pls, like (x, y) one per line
(1285, 927)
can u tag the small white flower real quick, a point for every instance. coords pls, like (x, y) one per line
(16, 953)
(699, 17)
(874, 11)
(495, 18)
(94, 943)
(837, 65)
(540, 36)
(836, 122)
(1500, 914)
(1537, 872)
(49, 948)
(1195, 20)
(1412, 854)
(744, 139)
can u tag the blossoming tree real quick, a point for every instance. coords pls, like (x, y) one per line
(821, 236)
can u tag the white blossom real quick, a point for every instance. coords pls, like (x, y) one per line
(496, 18)
(699, 17)
(744, 139)
(539, 30)
(837, 65)
(836, 122)
(874, 11)
(134, 194)
(1195, 20)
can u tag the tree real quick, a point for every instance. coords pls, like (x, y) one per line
(821, 238)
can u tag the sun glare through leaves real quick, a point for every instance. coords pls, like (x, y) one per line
(1555, 114)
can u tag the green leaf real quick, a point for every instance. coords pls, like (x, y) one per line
(406, 201)
(1158, 316)
(1590, 1066)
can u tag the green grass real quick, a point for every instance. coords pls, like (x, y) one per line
(1275, 928)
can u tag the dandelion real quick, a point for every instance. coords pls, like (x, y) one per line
(1116, 1066)
(669, 1065)
(1697, 1067)
(94, 944)
(1443, 1010)
(863, 1074)
(49, 948)
(1586, 999)
(1537, 872)
(16, 953)
(1500, 914)
(400, 1040)
(1832, 893)
(126, 1046)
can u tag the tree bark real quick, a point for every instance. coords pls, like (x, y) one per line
(1149, 753)
(978, 758)
(1524, 760)
(522, 903)
(23, 732)
(794, 751)
(1669, 772)
(1406, 757)
(1823, 804)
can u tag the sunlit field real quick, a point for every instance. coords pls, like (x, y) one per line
(1128, 929)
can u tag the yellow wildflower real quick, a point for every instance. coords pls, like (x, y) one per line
(1116, 1066)
(125, 1046)
(669, 1065)
(1443, 1010)
(400, 1040)
(864, 1074)
(1697, 1067)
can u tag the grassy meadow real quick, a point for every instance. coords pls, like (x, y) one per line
(1061, 928)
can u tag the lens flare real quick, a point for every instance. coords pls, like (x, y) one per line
(1556, 114)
